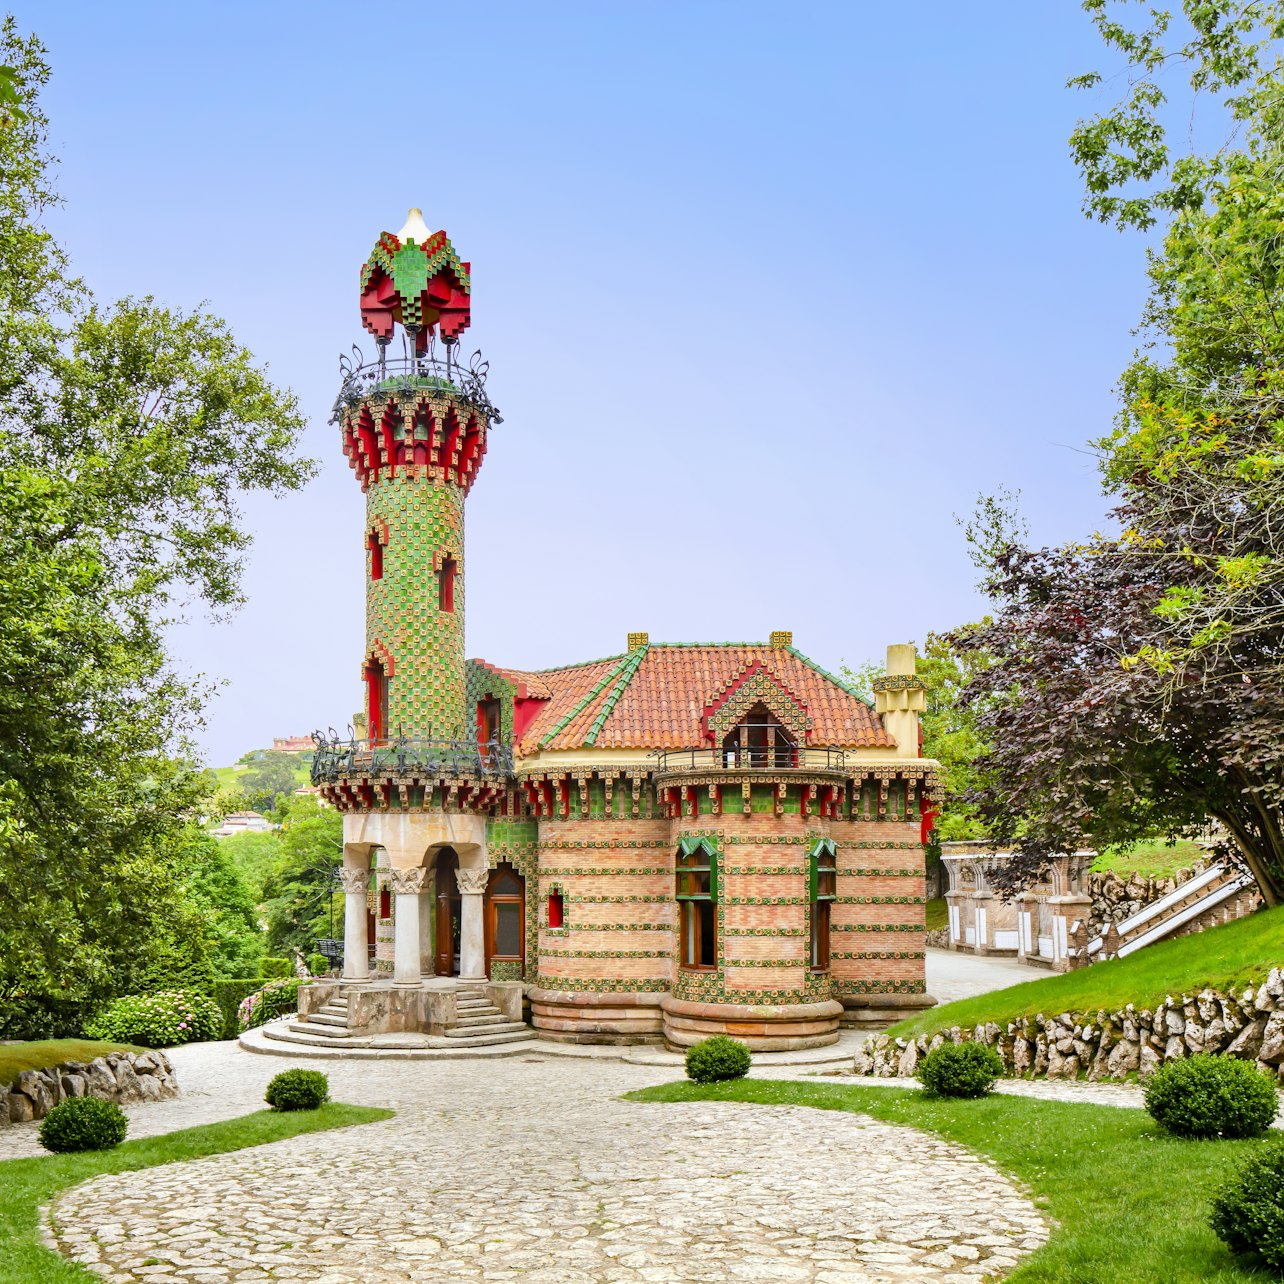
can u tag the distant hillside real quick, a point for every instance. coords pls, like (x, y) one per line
(254, 762)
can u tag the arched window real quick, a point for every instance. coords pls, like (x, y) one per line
(759, 739)
(822, 879)
(446, 585)
(697, 894)
(376, 556)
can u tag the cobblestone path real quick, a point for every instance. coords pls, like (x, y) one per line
(533, 1169)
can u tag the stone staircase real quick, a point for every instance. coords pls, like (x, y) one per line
(479, 1024)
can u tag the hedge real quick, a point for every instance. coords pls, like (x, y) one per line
(228, 995)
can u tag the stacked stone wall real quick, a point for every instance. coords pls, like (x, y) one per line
(123, 1077)
(1116, 897)
(1113, 1045)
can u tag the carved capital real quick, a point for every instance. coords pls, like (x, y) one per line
(355, 880)
(472, 882)
(408, 882)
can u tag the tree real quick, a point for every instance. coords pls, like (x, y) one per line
(266, 777)
(300, 898)
(127, 432)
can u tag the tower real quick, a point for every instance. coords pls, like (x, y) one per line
(414, 431)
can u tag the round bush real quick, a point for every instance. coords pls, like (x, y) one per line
(960, 1070)
(1248, 1213)
(270, 968)
(298, 1090)
(716, 1059)
(158, 1020)
(83, 1123)
(318, 964)
(275, 999)
(1210, 1096)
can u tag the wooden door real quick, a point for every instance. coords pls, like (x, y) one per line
(505, 914)
(446, 936)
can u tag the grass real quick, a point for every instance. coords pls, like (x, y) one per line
(1228, 957)
(1127, 1202)
(17, 1057)
(938, 913)
(27, 1184)
(1155, 859)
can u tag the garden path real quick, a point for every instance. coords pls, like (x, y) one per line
(533, 1168)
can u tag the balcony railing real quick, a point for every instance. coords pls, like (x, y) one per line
(337, 757)
(750, 758)
(438, 369)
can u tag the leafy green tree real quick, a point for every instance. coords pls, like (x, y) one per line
(214, 885)
(127, 432)
(254, 856)
(300, 899)
(267, 776)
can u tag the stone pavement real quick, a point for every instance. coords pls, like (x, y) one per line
(954, 975)
(533, 1169)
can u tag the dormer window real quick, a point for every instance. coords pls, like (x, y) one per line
(759, 740)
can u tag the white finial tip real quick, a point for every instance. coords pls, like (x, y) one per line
(415, 229)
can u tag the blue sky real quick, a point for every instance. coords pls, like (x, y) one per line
(770, 294)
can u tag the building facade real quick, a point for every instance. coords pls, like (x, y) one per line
(666, 843)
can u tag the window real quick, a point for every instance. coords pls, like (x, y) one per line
(488, 724)
(376, 700)
(822, 877)
(446, 585)
(505, 898)
(697, 895)
(556, 909)
(376, 556)
(385, 903)
(759, 740)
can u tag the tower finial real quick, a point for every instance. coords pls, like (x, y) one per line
(415, 228)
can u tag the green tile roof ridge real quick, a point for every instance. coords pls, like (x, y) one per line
(627, 670)
(825, 673)
(709, 644)
(578, 664)
(597, 690)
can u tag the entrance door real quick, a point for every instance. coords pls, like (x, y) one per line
(505, 914)
(446, 936)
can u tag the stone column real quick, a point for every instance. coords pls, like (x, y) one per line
(356, 964)
(1068, 910)
(472, 944)
(427, 904)
(1027, 906)
(406, 886)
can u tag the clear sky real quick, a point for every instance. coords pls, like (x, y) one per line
(770, 293)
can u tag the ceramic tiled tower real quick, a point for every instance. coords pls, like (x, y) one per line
(415, 444)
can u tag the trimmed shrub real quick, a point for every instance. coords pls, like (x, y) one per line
(83, 1123)
(1248, 1213)
(960, 1070)
(158, 1020)
(273, 1000)
(298, 1090)
(1211, 1096)
(270, 968)
(716, 1059)
(318, 964)
(228, 995)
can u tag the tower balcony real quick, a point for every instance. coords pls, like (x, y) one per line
(772, 759)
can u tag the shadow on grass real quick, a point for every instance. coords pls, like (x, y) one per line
(28, 1184)
(1128, 1203)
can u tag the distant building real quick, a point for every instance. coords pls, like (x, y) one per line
(242, 822)
(291, 744)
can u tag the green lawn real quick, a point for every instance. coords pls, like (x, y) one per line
(1127, 1202)
(1227, 957)
(17, 1057)
(938, 913)
(1154, 859)
(28, 1184)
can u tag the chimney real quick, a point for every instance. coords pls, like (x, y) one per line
(781, 638)
(900, 697)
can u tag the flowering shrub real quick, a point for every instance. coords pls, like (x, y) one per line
(158, 1020)
(275, 999)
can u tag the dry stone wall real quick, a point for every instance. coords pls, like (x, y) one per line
(1115, 898)
(1112, 1045)
(123, 1077)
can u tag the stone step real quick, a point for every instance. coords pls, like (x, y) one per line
(328, 1018)
(331, 1010)
(519, 1034)
(483, 1034)
(328, 1032)
(472, 1021)
(301, 1035)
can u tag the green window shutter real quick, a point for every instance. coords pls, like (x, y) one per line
(714, 888)
(821, 845)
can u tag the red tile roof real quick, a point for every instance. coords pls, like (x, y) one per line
(656, 698)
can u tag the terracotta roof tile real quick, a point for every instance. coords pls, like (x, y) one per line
(655, 698)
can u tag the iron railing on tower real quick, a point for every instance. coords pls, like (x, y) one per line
(337, 757)
(750, 757)
(440, 371)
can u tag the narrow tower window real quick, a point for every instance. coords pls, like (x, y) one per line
(376, 556)
(446, 585)
(823, 879)
(556, 909)
(377, 700)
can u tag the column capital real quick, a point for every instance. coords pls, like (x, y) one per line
(472, 882)
(408, 882)
(355, 880)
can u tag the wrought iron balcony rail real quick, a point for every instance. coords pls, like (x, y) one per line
(441, 369)
(337, 757)
(761, 758)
